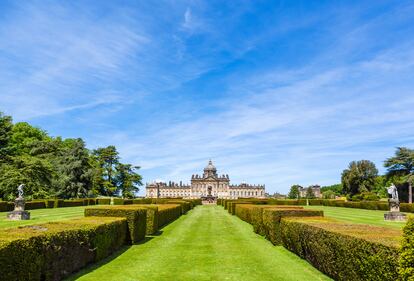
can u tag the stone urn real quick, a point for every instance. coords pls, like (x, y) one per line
(19, 213)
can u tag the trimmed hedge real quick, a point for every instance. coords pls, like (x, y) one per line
(103, 201)
(32, 205)
(54, 250)
(152, 217)
(344, 251)
(271, 221)
(6, 206)
(73, 203)
(136, 218)
(168, 213)
(406, 262)
(185, 206)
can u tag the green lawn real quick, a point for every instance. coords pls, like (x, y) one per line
(43, 215)
(357, 216)
(206, 244)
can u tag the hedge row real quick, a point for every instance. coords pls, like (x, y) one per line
(54, 250)
(53, 203)
(369, 205)
(136, 218)
(266, 218)
(344, 251)
(168, 213)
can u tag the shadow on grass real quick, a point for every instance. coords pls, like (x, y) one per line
(94, 266)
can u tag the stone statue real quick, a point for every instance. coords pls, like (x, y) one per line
(20, 190)
(392, 190)
(394, 203)
(19, 213)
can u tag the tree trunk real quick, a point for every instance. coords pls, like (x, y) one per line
(410, 193)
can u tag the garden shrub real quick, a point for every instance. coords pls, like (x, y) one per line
(272, 217)
(405, 207)
(344, 251)
(103, 201)
(136, 219)
(54, 250)
(128, 202)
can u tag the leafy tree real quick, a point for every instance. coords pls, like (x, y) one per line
(128, 180)
(359, 177)
(107, 159)
(329, 194)
(402, 166)
(336, 188)
(74, 170)
(25, 137)
(34, 172)
(294, 192)
(6, 126)
(309, 193)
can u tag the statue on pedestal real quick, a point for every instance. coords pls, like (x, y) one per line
(394, 203)
(19, 213)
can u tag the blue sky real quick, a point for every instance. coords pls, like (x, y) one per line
(275, 92)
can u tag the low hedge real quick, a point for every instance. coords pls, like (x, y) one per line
(406, 262)
(152, 217)
(32, 205)
(54, 250)
(73, 203)
(271, 221)
(118, 201)
(103, 201)
(344, 251)
(185, 206)
(136, 219)
(168, 213)
(6, 206)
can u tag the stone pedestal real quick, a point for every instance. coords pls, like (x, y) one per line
(394, 214)
(19, 213)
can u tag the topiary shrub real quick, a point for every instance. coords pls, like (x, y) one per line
(343, 251)
(136, 219)
(185, 206)
(272, 217)
(54, 250)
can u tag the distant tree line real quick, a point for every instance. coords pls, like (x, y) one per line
(361, 181)
(61, 168)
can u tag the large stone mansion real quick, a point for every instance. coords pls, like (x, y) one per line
(209, 184)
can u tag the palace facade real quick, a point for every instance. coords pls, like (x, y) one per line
(209, 184)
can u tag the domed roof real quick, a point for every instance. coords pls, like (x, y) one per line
(210, 167)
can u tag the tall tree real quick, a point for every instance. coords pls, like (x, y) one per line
(6, 126)
(74, 170)
(128, 180)
(359, 177)
(402, 166)
(294, 192)
(107, 158)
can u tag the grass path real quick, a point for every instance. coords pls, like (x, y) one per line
(205, 244)
(351, 215)
(43, 215)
